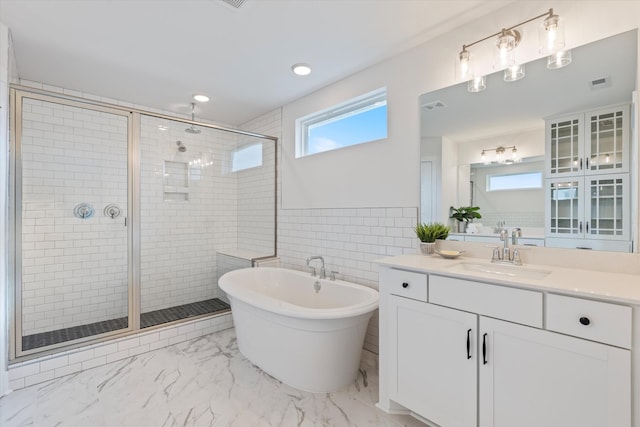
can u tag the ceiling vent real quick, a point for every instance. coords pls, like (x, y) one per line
(600, 83)
(237, 4)
(434, 105)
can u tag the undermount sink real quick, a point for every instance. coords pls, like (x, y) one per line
(501, 270)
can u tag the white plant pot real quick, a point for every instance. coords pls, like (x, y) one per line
(427, 248)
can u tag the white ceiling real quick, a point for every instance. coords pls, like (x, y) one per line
(159, 52)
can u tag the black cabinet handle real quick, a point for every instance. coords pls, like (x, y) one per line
(484, 349)
(580, 163)
(405, 285)
(468, 344)
(585, 321)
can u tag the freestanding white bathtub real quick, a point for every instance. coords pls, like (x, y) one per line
(309, 340)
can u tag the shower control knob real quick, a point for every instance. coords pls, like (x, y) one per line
(585, 321)
(405, 285)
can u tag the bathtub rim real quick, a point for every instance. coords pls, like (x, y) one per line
(268, 303)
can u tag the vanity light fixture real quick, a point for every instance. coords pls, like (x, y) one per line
(501, 154)
(551, 41)
(301, 69)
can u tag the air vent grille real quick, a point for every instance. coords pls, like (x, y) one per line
(600, 82)
(434, 105)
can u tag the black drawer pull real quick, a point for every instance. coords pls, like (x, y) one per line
(585, 321)
(468, 344)
(484, 349)
(405, 285)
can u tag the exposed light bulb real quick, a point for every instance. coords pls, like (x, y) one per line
(464, 65)
(551, 34)
(513, 73)
(607, 159)
(477, 84)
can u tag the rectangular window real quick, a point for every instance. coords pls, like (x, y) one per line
(359, 120)
(247, 157)
(514, 181)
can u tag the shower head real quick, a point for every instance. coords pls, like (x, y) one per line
(192, 129)
(181, 147)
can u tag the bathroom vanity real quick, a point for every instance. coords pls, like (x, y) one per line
(465, 342)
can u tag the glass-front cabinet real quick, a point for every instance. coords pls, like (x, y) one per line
(607, 142)
(565, 150)
(587, 143)
(587, 186)
(592, 207)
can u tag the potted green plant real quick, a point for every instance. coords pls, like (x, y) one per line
(429, 233)
(464, 215)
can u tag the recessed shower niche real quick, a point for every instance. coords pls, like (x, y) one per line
(176, 181)
(180, 203)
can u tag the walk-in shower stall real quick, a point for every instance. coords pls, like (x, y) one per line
(120, 217)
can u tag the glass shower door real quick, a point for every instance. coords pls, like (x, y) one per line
(72, 239)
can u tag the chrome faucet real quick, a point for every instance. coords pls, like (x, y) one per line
(322, 270)
(515, 233)
(506, 256)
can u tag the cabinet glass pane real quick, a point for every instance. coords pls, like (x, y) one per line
(606, 203)
(564, 147)
(564, 218)
(606, 141)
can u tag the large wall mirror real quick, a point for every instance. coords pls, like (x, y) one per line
(457, 126)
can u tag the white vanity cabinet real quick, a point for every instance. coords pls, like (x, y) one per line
(467, 353)
(430, 349)
(531, 377)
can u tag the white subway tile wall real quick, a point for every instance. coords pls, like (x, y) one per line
(513, 219)
(180, 238)
(74, 270)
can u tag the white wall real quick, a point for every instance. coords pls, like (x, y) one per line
(387, 173)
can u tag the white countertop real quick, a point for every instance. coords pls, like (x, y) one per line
(614, 287)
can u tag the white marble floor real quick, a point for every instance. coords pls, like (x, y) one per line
(202, 382)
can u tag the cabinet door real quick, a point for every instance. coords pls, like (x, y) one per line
(607, 140)
(535, 378)
(564, 146)
(565, 208)
(432, 373)
(607, 213)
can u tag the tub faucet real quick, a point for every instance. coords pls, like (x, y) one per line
(322, 270)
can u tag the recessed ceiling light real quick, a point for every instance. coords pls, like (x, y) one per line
(201, 98)
(301, 69)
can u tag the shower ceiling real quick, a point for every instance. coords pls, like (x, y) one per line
(156, 53)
